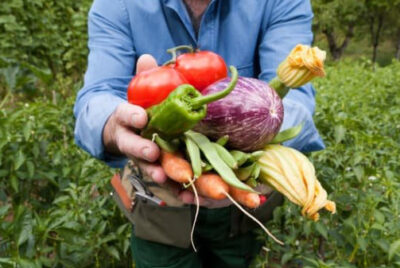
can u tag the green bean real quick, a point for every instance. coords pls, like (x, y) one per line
(287, 134)
(252, 182)
(244, 173)
(256, 171)
(194, 155)
(226, 156)
(205, 166)
(164, 145)
(215, 160)
(240, 157)
(254, 156)
(223, 140)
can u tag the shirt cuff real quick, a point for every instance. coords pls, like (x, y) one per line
(308, 139)
(90, 123)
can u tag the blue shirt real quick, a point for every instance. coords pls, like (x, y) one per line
(255, 36)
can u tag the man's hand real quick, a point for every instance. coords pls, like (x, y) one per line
(120, 132)
(120, 137)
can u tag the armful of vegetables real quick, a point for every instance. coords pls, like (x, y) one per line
(223, 142)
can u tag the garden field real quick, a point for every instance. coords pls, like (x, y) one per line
(56, 210)
(55, 206)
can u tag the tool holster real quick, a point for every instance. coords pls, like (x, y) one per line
(159, 216)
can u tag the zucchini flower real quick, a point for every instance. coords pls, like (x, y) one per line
(293, 175)
(300, 67)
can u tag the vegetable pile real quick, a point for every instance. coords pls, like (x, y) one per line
(219, 135)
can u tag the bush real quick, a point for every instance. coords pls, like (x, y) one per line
(358, 116)
(55, 208)
(48, 34)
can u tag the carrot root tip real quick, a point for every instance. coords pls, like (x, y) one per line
(254, 219)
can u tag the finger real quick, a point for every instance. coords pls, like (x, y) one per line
(188, 197)
(131, 115)
(135, 146)
(154, 171)
(145, 62)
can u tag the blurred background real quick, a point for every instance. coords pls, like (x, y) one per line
(55, 208)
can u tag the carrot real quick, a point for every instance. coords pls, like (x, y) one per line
(212, 186)
(180, 170)
(176, 167)
(247, 199)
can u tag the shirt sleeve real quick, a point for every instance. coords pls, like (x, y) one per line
(111, 64)
(288, 24)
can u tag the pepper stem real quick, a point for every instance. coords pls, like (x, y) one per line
(279, 87)
(173, 52)
(199, 101)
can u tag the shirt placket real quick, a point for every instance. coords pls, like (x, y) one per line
(206, 34)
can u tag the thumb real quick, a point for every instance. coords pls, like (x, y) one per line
(145, 62)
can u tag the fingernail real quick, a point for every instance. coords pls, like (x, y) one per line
(146, 152)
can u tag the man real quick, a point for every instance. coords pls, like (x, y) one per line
(255, 36)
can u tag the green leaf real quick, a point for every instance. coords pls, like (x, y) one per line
(3, 173)
(286, 257)
(10, 76)
(379, 216)
(321, 228)
(359, 172)
(340, 132)
(4, 210)
(394, 249)
(61, 199)
(25, 228)
(378, 226)
(14, 183)
(7, 261)
(362, 243)
(287, 134)
(27, 130)
(31, 168)
(44, 75)
(113, 252)
(19, 160)
(6, 19)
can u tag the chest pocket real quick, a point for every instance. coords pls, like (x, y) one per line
(246, 70)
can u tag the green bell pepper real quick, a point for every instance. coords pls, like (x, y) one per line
(182, 109)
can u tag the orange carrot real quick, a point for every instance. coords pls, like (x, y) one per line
(247, 199)
(211, 186)
(180, 170)
(176, 167)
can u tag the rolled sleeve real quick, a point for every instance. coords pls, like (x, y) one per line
(290, 24)
(110, 68)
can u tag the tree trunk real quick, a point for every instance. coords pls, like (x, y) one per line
(335, 49)
(376, 36)
(398, 46)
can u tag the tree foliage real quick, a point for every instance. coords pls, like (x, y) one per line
(47, 34)
(341, 20)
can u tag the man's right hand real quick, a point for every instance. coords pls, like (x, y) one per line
(120, 134)
(121, 137)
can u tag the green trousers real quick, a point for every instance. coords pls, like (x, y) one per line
(216, 246)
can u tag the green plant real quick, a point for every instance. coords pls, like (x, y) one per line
(55, 208)
(358, 116)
